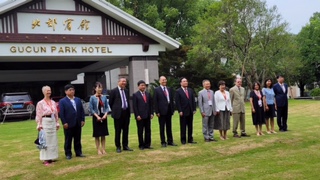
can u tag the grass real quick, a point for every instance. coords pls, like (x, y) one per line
(290, 155)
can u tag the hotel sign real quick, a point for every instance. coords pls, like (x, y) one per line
(44, 49)
(59, 24)
(60, 49)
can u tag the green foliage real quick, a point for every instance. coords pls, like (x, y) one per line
(315, 92)
(249, 34)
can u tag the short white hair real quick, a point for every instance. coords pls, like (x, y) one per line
(44, 88)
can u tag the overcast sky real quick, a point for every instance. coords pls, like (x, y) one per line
(295, 12)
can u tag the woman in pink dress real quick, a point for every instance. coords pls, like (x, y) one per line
(47, 122)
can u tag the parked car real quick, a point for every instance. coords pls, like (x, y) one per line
(85, 105)
(16, 105)
(57, 99)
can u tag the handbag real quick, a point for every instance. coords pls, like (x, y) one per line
(37, 140)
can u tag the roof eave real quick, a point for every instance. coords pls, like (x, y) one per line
(9, 5)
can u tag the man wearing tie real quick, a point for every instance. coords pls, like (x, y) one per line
(164, 109)
(281, 90)
(237, 96)
(119, 103)
(207, 109)
(186, 106)
(72, 117)
(143, 113)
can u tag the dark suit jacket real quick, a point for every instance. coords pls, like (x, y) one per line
(116, 103)
(184, 104)
(141, 108)
(281, 97)
(161, 102)
(68, 114)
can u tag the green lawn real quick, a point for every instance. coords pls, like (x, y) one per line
(291, 155)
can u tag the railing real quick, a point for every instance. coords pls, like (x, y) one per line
(8, 111)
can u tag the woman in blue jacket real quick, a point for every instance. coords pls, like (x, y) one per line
(99, 110)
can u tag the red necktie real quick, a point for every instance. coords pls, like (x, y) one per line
(164, 91)
(144, 97)
(100, 101)
(187, 94)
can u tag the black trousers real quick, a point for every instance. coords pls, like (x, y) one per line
(282, 117)
(186, 122)
(165, 123)
(75, 134)
(122, 125)
(144, 125)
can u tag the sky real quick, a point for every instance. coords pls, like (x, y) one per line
(296, 12)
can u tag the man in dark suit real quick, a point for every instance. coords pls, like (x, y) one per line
(119, 103)
(281, 90)
(73, 119)
(143, 113)
(164, 109)
(186, 106)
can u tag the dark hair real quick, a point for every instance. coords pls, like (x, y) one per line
(141, 82)
(221, 83)
(182, 79)
(254, 84)
(265, 82)
(68, 86)
(279, 76)
(97, 84)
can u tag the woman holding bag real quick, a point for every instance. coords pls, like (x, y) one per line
(47, 122)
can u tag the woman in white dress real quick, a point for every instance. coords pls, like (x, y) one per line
(47, 122)
(223, 109)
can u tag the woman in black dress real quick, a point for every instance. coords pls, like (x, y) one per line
(99, 110)
(256, 101)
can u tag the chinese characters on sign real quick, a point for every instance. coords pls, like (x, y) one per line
(52, 23)
(68, 24)
(35, 23)
(84, 24)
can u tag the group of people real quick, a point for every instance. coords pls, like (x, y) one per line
(216, 108)
(269, 102)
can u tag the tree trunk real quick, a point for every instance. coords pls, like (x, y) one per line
(301, 87)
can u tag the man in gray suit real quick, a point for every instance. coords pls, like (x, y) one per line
(207, 107)
(237, 96)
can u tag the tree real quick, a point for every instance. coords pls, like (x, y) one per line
(309, 43)
(249, 34)
(174, 18)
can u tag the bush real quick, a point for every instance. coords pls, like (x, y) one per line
(315, 92)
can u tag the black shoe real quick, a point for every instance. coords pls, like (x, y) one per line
(80, 155)
(164, 145)
(206, 140)
(213, 140)
(192, 142)
(236, 136)
(68, 157)
(118, 150)
(172, 144)
(148, 147)
(127, 148)
(141, 148)
(282, 130)
(245, 135)
(183, 142)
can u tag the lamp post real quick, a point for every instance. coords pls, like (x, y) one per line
(223, 60)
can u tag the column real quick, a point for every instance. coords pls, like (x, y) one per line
(138, 66)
